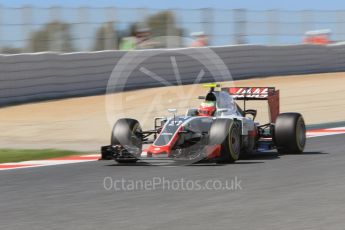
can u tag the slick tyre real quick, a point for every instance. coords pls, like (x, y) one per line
(227, 134)
(290, 133)
(127, 133)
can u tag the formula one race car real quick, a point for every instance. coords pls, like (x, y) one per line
(219, 130)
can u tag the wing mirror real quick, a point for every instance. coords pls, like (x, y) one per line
(159, 122)
(172, 110)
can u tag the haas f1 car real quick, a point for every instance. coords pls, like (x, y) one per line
(219, 130)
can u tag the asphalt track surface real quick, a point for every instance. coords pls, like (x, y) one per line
(278, 192)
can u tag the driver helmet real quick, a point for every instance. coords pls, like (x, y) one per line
(207, 108)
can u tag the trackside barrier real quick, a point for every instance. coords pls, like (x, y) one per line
(42, 76)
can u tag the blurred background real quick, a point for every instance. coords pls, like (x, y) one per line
(66, 28)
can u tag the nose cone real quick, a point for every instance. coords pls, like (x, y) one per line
(156, 150)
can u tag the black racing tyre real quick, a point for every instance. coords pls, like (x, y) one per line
(227, 133)
(290, 133)
(126, 132)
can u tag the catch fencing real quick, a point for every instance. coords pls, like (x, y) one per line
(72, 29)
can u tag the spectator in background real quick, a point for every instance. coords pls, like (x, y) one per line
(318, 37)
(200, 39)
(140, 40)
(127, 43)
(143, 36)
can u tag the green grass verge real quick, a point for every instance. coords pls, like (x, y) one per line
(16, 155)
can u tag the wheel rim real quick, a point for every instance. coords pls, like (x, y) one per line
(234, 143)
(136, 141)
(301, 134)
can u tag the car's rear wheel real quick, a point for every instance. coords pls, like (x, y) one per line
(290, 133)
(227, 134)
(126, 133)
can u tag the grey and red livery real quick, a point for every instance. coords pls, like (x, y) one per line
(222, 133)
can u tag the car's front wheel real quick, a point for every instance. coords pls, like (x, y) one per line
(126, 133)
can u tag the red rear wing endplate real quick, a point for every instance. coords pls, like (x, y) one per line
(257, 93)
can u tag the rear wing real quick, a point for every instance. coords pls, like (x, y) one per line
(250, 93)
(257, 93)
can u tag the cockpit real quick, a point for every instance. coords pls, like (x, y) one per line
(222, 101)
